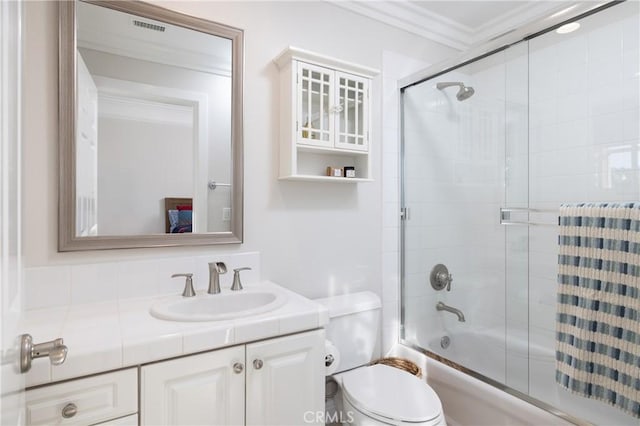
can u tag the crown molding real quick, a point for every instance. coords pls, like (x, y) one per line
(408, 16)
(413, 19)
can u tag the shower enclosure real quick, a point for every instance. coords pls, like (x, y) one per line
(490, 150)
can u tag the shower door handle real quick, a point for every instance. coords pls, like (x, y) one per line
(506, 216)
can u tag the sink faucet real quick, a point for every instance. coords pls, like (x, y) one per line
(215, 269)
(442, 307)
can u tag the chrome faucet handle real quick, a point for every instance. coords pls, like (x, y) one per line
(188, 284)
(237, 285)
(215, 269)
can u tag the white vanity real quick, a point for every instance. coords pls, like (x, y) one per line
(126, 367)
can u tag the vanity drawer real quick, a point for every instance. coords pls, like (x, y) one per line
(94, 399)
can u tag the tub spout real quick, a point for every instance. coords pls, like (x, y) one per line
(442, 307)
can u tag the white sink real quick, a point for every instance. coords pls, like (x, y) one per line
(218, 307)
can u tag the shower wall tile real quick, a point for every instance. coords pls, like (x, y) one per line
(603, 71)
(604, 99)
(561, 162)
(542, 290)
(630, 34)
(572, 78)
(606, 128)
(630, 126)
(630, 64)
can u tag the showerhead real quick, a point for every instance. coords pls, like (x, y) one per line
(465, 92)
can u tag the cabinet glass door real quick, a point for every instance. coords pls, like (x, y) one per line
(353, 101)
(315, 122)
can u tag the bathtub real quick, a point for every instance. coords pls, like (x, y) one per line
(495, 361)
(529, 369)
(468, 401)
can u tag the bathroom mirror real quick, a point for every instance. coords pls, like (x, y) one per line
(150, 110)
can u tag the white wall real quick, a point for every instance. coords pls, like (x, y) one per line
(317, 239)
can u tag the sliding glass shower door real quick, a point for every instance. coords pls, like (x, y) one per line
(465, 159)
(490, 150)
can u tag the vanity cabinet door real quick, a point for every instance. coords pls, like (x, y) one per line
(285, 380)
(202, 389)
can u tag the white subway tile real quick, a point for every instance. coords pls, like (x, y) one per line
(47, 287)
(94, 282)
(606, 128)
(630, 34)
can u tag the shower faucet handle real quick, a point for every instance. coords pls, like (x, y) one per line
(440, 277)
(449, 280)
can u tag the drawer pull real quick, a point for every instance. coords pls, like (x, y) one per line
(69, 410)
(238, 367)
(257, 364)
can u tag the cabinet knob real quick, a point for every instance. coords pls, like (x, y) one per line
(238, 367)
(69, 410)
(257, 364)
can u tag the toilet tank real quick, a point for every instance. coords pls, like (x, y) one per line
(354, 323)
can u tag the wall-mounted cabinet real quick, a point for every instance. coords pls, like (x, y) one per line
(325, 117)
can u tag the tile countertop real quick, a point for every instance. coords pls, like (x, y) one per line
(122, 333)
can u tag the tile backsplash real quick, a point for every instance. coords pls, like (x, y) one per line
(63, 285)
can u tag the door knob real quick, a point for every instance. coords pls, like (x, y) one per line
(257, 364)
(55, 350)
(238, 367)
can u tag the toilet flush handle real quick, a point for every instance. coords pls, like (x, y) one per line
(328, 360)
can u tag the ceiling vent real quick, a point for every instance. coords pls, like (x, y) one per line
(149, 26)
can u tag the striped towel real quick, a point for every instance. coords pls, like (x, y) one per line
(598, 320)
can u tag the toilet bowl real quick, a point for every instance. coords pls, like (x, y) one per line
(377, 394)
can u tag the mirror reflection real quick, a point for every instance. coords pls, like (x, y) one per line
(153, 149)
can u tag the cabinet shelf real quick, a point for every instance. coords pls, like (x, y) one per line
(314, 178)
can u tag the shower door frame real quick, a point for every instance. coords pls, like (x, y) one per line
(496, 45)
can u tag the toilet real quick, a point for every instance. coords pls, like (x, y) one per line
(377, 394)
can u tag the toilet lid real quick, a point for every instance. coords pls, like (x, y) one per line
(391, 393)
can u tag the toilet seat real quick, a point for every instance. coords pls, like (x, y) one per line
(391, 395)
